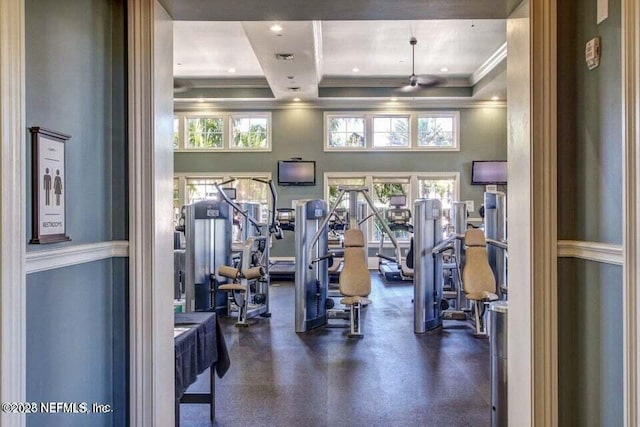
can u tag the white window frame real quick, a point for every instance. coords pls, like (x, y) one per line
(413, 129)
(182, 178)
(227, 118)
(184, 132)
(439, 114)
(346, 114)
(411, 197)
(243, 115)
(390, 116)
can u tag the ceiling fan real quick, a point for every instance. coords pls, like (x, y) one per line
(419, 82)
(181, 86)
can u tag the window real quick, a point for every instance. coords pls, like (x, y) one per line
(335, 183)
(437, 130)
(248, 190)
(382, 185)
(190, 189)
(201, 188)
(204, 132)
(176, 200)
(222, 131)
(441, 189)
(346, 132)
(394, 131)
(249, 132)
(383, 189)
(176, 133)
(391, 131)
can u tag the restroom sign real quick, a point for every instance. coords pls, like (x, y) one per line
(49, 186)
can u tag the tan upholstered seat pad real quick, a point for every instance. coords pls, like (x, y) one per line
(354, 278)
(355, 300)
(229, 272)
(353, 238)
(474, 237)
(477, 276)
(233, 287)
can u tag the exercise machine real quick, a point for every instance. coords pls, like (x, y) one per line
(495, 230)
(427, 276)
(248, 292)
(398, 218)
(313, 305)
(207, 226)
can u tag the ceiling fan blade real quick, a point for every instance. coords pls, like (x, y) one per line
(407, 88)
(430, 81)
(181, 86)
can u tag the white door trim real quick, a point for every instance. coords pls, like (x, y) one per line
(12, 203)
(544, 213)
(631, 198)
(151, 378)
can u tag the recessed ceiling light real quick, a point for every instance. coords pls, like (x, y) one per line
(231, 70)
(296, 99)
(276, 28)
(444, 69)
(495, 98)
(356, 70)
(394, 99)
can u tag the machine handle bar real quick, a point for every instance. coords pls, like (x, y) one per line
(446, 243)
(322, 258)
(502, 244)
(274, 200)
(388, 258)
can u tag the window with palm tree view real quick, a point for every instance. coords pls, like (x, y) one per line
(346, 132)
(222, 131)
(443, 186)
(396, 131)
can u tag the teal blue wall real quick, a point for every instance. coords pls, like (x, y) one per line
(590, 345)
(299, 133)
(589, 209)
(77, 326)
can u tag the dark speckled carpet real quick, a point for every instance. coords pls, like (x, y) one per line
(391, 377)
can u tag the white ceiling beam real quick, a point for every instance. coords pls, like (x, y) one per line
(499, 56)
(296, 38)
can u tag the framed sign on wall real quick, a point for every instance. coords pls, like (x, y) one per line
(48, 186)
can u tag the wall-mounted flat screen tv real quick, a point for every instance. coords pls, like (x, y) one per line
(487, 172)
(296, 172)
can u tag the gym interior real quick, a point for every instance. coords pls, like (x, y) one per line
(341, 218)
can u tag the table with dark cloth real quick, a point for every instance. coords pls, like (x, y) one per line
(202, 346)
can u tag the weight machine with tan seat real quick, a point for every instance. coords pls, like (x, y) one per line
(355, 281)
(249, 289)
(478, 281)
(313, 305)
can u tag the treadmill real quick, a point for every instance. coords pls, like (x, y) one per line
(284, 270)
(398, 218)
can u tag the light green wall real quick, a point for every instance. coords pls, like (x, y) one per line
(590, 209)
(299, 133)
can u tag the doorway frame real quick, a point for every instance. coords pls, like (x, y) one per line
(542, 311)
